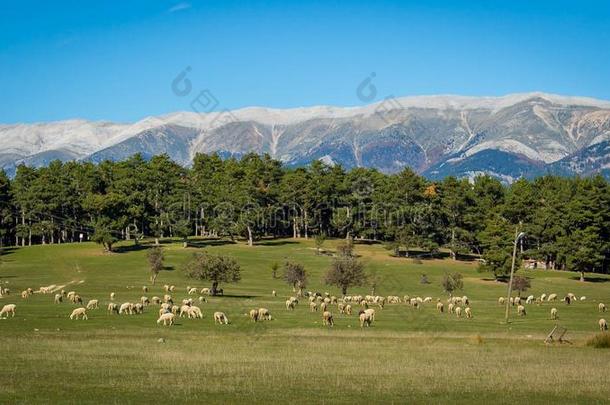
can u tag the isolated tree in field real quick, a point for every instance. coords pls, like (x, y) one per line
(296, 276)
(320, 239)
(274, 268)
(452, 282)
(346, 272)
(103, 236)
(155, 257)
(521, 284)
(217, 269)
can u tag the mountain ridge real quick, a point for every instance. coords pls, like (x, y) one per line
(431, 134)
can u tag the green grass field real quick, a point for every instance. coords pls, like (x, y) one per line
(408, 355)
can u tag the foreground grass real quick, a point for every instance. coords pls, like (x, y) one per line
(407, 356)
(318, 366)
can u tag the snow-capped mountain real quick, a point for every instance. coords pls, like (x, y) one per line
(511, 136)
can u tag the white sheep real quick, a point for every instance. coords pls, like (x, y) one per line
(264, 314)
(601, 307)
(458, 312)
(440, 307)
(192, 291)
(501, 301)
(112, 307)
(93, 304)
(145, 301)
(365, 319)
(327, 319)
(552, 297)
(254, 315)
(144, 289)
(24, 294)
(184, 310)
(313, 306)
(521, 310)
(468, 312)
(138, 308)
(553, 313)
(167, 319)
(8, 309)
(195, 312)
(530, 299)
(205, 291)
(155, 300)
(58, 298)
(202, 299)
(273, 293)
(112, 295)
(371, 313)
(603, 325)
(583, 298)
(451, 307)
(221, 318)
(348, 309)
(290, 305)
(126, 308)
(82, 312)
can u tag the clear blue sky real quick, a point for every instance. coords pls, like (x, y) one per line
(115, 60)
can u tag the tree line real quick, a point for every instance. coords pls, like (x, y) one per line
(566, 220)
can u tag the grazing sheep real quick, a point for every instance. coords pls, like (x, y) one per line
(511, 300)
(603, 325)
(195, 312)
(192, 291)
(93, 304)
(333, 299)
(172, 288)
(521, 310)
(427, 299)
(370, 313)
(76, 299)
(112, 295)
(8, 309)
(465, 300)
(313, 306)
(458, 312)
(58, 298)
(221, 318)
(205, 291)
(323, 306)
(468, 312)
(601, 307)
(341, 307)
(166, 306)
(113, 308)
(126, 308)
(202, 299)
(188, 302)
(184, 310)
(144, 289)
(264, 314)
(583, 298)
(145, 301)
(167, 319)
(273, 293)
(175, 309)
(552, 297)
(24, 294)
(348, 309)
(543, 297)
(365, 319)
(440, 307)
(254, 314)
(30, 291)
(501, 301)
(530, 299)
(167, 298)
(451, 307)
(553, 313)
(166, 288)
(290, 305)
(138, 308)
(327, 319)
(82, 312)
(155, 300)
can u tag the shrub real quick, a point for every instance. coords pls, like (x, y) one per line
(599, 341)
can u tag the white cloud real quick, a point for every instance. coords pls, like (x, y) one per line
(180, 6)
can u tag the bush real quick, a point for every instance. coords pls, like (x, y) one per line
(599, 341)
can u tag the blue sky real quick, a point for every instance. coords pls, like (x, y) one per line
(116, 60)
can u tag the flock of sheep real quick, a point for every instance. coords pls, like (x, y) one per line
(169, 310)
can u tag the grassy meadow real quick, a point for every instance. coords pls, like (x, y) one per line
(407, 355)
